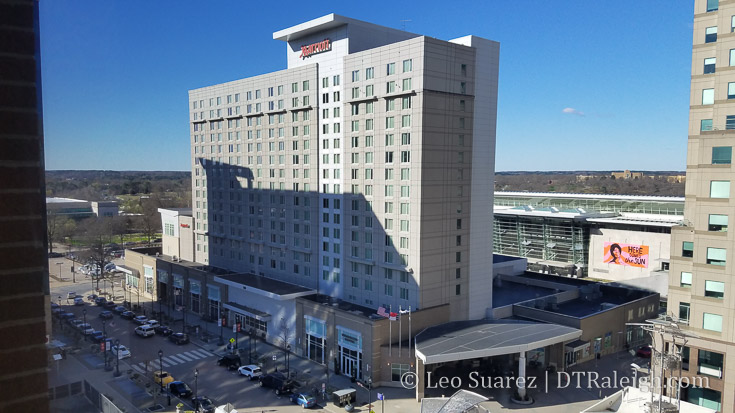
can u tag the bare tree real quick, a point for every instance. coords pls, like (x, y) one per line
(57, 227)
(97, 234)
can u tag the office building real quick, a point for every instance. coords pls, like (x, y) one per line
(701, 272)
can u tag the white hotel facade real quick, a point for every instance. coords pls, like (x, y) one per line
(363, 173)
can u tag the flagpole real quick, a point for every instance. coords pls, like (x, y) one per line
(390, 332)
(409, 331)
(400, 330)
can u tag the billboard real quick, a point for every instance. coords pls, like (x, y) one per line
(626, 254)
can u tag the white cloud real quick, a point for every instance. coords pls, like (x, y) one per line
(573, 111)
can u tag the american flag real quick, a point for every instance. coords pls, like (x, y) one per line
(383, 312)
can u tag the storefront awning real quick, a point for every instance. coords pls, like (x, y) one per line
(256, 314)
(577, 345)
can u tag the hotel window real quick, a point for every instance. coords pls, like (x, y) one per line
(732, 25)
(407, 65)
(716, 256)
(335, 80)
(355, 108)
(406, 84)
(355, 125)
(336, 97)
(731, 90)
(710, 34)
(390, 104)
(705, 125)
(717, 223)
(687, 249)
(730, 122)
(685, 279)
(370, 73)
(325, 97)
(305, 85)
(406, 121)
(405, 156)
(462, 87)
(280, 91)
(335, 112)
(369, 91)
(325, 82)
(355, 75)
(389, 122)
(719, 189)
(294, 88)
(714, 289)
(708, 96)
(458, 290)
(721, 155)
(709, 63)
(712, 322)
(406, 102)
(390, 69)
(270, 91)
(712, 5)
(390, 87)
(405, 208)
(684, 311)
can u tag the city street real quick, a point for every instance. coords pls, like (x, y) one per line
(180, 361)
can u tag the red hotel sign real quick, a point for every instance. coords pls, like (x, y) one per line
(184, 225)
(315, 48)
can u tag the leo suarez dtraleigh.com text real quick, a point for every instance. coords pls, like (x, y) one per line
(577, 380)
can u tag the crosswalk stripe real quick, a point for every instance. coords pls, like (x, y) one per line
(138, 369)
(170, 360)
(185, 357)
(165, 364)
(202, 353)
(178, 358)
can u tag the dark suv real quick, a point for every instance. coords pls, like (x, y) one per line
(231, 361)
(277, 382)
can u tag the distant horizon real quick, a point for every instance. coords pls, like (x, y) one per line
(497, 172)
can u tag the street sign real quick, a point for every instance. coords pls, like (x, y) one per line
(324, 386)
(381, 396)
(234, 328)
(232, 340)
(219, 322)
(238, 327)
(274, 357)
(102, 346)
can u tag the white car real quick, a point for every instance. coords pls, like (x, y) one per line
(86, 329)
(252, 371)
(124, 352)
(71, 295)
(145, 331)
(140, 320)
(153, 323)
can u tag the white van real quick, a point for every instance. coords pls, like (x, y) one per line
(145, 330)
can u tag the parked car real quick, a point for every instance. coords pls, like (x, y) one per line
(124, 352)
(644, 352)
(106, 315)
(179, 388)
(251, 371)
(79, 301)
(152, 323)
(110, 267)
(100, 301)
(109, 305)
(92, 297)
(140, 320)
(203, 404)
(71, 295)
(54, 305)
(97, 337)
(55, 254)
(145, 331)
(128, 315)
(163, 330)
(159, 376)
(57, 311)
(278, 382)
(75, 322)
(119, 309)
(305, 400)
(179, 338)
(85, 328)
(66, 316)
(231, 361)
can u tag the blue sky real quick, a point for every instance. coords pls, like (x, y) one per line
(116, 74)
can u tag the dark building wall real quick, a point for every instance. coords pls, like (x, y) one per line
(23, 263)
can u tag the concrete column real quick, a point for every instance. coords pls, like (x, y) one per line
(420, 373)
(522, 374)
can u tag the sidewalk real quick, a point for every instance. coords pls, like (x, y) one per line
(308, 373)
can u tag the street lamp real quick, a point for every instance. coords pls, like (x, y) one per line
(250, 346)
(117, 356)
(104, 347)
(160, 364)
(160, 308)
(221, 324)
(183, 326)
(196, 382)
(84, 318)
(61, 324)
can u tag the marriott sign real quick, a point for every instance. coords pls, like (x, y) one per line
(315, 48)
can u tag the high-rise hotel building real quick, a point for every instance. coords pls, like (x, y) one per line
(701, 286)
(363, 171)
